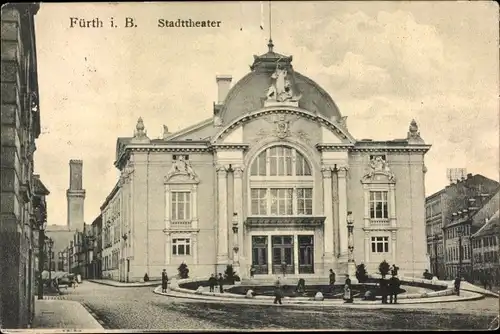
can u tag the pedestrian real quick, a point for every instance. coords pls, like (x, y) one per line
(221, 283)
(212, 282)
(164, 281)
(332, 280)
(394, 284)
(383, 290)
(252, 270)
(457, 285)
(278, 293)
(347, 290)
(394, 270)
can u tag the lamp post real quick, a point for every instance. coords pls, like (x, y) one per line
(124, 237)
(436, 238)
(236, 248)
(42, 223)
(460, 251)
(351, 266)
(50, 244)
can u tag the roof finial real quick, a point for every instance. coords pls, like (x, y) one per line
(270, 45)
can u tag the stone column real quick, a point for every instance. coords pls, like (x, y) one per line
(167, 248)
(342, 184)
(167, 206)
(269, 255)
(295, 254)
(238, 207)
(392, 205)
(367, 247)
(328, 212)
(222, 237)
(194, 246)
(194, 198)
(393, 246)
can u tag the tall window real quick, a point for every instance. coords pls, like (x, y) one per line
(181, 246)
(304, 201)
(280, 161)
(281, 201)
(380, 244)
(181, 206)
(259, 201)
(378, 205)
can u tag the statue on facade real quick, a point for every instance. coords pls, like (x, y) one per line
(182, 166)
(281, 88)
(379, 165)
(165, 131)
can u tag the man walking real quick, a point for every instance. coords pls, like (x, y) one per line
(457, 285)
(164, 281)
(394, 284)
(212, 282)
(332, 280)
(277, 292)
(221, 283)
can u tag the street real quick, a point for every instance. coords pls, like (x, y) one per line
(140, 308)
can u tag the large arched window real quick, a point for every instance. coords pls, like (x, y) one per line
(280, 161)
(281, 183)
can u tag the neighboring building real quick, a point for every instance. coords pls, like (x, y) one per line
(64, 234)
(439, 207)
(485, 248)
(20, 121)
(268, 179)
(96, 249)
(458, 233)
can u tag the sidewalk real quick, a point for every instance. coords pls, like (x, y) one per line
(123, 284)
(63, 314)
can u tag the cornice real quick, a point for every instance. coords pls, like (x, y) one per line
(230, 147)
(338, 147)
(385, 148)
(290, 110)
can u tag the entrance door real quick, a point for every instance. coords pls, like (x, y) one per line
(259, 254)
(283, 254)
(306, 254)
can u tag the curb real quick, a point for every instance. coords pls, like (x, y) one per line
(92, 313)
(261, 301)
(131, 285)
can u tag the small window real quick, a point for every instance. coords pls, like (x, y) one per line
(380, 244)
(181, 246)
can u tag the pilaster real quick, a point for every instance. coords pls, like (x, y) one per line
(342, 191)
(222, 239)
(393, 246)
(328, 212)
(238, 207)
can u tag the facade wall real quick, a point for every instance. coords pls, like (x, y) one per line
(19, 128)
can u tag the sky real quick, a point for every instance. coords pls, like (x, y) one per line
(383, 63)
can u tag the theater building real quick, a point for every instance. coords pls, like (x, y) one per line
(269, 180)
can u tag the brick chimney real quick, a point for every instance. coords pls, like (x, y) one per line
(223, 86)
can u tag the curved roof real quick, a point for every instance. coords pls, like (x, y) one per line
(249, 93)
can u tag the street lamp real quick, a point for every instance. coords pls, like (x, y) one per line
(460, 251)
(436, 238)
(41, 220)
(124, 237)
(50, 244)
(351, 266)
(236, 247)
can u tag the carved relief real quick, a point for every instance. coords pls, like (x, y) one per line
(238, 171)
(281, 130)
(378, 166)
(182, 167)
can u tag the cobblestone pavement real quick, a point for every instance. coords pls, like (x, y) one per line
(140, 308)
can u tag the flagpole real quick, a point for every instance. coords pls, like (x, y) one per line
(270, 19)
